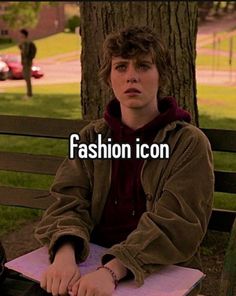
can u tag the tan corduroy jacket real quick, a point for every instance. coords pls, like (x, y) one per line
(179, 195)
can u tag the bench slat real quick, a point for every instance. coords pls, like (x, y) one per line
(225, 182)
(221, 140)
(29, 163)
(23, 197)
(39, 127)
(46, 164)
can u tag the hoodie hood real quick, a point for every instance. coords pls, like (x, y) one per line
(169, 112)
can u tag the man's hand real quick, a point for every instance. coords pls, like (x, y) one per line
(99, 282)
(62, 274)
(96, 283)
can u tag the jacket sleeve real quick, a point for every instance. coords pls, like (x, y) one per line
(69, 215)
(172, 231)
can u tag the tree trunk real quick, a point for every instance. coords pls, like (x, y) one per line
(174, 22)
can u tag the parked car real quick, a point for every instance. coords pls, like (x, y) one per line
(15, 67)
(4, 70)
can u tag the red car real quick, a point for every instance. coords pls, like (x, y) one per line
(15, 67)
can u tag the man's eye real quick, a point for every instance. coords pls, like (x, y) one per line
(144, 66)
(120, 67)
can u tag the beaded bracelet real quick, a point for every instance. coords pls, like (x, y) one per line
(111, 272)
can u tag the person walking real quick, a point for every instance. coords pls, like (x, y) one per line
(28, 52)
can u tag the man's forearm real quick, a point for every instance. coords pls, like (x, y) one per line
(66, 250)
(119, 269)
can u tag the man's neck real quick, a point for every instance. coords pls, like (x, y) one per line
(137, 118)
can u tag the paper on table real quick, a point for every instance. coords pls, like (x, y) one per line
(34, 263)
(172, 280)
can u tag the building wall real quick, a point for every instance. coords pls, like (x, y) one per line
(4, 31)
(51, 21)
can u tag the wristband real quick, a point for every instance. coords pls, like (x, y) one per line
(112, 274)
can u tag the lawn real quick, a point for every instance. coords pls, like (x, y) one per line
(223, 44)
(217, 106)
(204, 61)
(57, 44)
(61, 101)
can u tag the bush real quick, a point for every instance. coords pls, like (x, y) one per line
(5, 40)
(73, 22)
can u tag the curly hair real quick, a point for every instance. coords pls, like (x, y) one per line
(24, 32)
(133, 42)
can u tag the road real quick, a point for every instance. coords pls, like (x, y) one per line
(216, 78)
(67, 72)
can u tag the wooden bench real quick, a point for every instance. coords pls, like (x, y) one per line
(221, 140)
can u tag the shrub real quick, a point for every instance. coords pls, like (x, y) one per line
(73, 22)
(5, 40)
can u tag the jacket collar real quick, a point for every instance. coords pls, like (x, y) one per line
(101, 127)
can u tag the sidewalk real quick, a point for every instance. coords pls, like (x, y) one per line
(209, 51)
(70, 72)
(209, 77)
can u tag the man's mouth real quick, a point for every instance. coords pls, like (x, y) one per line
(132, 91)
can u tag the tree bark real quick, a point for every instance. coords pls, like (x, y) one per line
(174, 22)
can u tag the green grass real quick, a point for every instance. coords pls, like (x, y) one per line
(223, 44)
(217, 106)
(50, 46)
(217, 109)
(56, 101)
(204, 61)
(13, 218)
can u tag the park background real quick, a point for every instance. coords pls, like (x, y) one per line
(57, 95)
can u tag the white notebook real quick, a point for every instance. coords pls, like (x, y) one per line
(171, 280)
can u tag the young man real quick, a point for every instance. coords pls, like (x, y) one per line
(28, 51)
(149, 212)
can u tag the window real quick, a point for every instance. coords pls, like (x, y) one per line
(4, 32)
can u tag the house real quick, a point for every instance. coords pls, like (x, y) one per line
(51, 21)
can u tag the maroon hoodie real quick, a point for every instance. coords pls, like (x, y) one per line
(126, 200)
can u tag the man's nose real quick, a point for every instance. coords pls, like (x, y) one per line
(132, 74)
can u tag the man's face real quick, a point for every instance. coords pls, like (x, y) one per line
(135, 82)
(22, 37)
